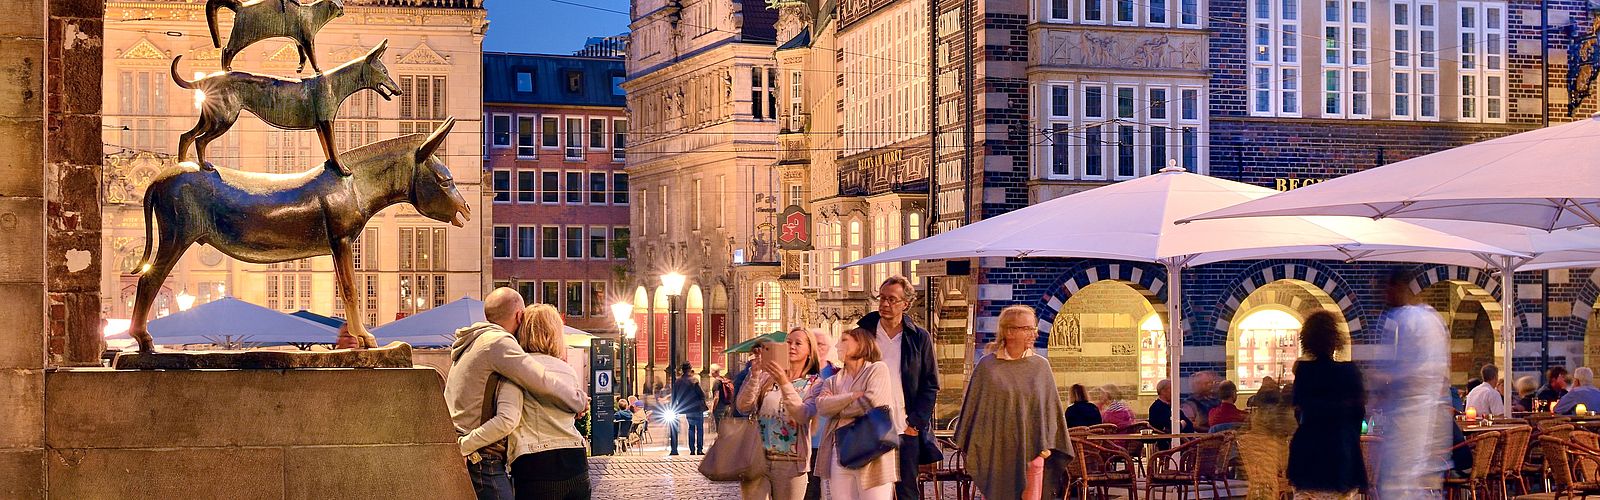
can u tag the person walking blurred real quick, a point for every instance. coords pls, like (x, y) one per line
(1011, 416)
(865, 383)
(1113, 410)
(689, 400)
(1198, 403)
(1325, 454)
(1525, 387)
(1414, 451)
(775, 393)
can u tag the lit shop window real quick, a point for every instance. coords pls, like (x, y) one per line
(1269, 344)
(1152, 353)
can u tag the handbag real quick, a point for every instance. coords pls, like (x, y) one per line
(866, 438)
(737, 453)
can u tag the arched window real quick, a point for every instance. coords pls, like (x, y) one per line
(1152, 352)
(1269, 344)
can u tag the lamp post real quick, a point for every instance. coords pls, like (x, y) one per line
(672, 283)
(185, 301)
(622, 312)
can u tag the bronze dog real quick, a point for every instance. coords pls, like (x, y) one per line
(286, 103)
(266, 218)
(257, 20)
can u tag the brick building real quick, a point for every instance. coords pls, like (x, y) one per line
(555, 138)
(1039, 99)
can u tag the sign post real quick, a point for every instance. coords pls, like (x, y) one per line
(602, 397)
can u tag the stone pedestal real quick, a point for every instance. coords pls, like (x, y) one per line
(245, 434)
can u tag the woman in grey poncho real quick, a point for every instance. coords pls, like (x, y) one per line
(1011, 414)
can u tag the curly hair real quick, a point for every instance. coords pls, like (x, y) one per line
(1319, 335)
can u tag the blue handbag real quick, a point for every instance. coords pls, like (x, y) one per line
(866, 438)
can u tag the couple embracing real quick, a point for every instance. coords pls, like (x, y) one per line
(514, 401)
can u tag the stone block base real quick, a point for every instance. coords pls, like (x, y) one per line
(246, 434)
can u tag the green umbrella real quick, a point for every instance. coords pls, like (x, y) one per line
(747, 345)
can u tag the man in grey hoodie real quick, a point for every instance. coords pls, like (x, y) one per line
(487, 348)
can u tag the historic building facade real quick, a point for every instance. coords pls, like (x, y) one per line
(555, 143)
(405, 263)
(703, 100)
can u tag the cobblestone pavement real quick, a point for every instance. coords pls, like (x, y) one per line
(630, 477)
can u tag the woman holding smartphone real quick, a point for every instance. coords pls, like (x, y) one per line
(864, 384)
(775, 393)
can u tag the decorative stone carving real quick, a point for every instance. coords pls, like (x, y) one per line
(1122, 50)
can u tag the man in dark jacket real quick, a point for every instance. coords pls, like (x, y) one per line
(908, 351)
(1555, 386)
(690, 401)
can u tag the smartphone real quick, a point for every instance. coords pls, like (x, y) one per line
(776, 351)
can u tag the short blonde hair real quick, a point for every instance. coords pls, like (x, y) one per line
(1009, 312)
(1112, 391)
(541, 331)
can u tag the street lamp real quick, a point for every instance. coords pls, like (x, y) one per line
(672, 284)
(185, 301)
(622, 312)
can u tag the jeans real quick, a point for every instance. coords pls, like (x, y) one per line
(697, 432)
(490, 480)
(906, 488)
(814, 483)
(672, 435)
(552, 475)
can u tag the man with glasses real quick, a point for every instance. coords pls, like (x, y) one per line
(908, 352)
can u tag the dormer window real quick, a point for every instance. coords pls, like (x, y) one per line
(524, 81)
(574, 81)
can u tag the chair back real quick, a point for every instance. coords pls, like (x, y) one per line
(1225, 427)
(1483, 449)
(1223, 453)
(1370, 457)
(1585, 470)
(1102, 428)
(1137, 426)
(1513, 450)
(1557, 465)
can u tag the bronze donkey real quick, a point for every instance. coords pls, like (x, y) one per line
(267, 218)
(286, 103)
(257, 20)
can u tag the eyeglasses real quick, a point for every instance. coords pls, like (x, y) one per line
(1014, 328)
(890, 299)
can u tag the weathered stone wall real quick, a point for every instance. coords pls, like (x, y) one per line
(22, 249)
(73, 155)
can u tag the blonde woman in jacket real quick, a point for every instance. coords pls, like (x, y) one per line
(547, 453)
(781, 416)
(864, 384)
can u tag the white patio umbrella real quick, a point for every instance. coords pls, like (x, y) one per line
(437, 327)
(1133, 220)
(232, 321)
(1543, 179)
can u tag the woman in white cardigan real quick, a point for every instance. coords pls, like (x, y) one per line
(864, 384)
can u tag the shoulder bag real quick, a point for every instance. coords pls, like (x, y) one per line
(737, 454)
(866, 438)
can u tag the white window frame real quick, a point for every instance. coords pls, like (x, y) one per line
(511, 242)
(1150, 12)
(542, 119)
(1199, 14)
(1421, 56)
(517, 234)
(566, 188)
(1083, 14)
(1049, 11)
(511, 130)
(1283, 34)
(619, 154)
(1051, 120)
(581, 134)
(1107, 102)
(1151, 121)
(1132, 122)
(532, 152)
(1202, 155)
(511, 186)
(1479, 100)
(1133, 12)
(566, 242)
(542, 245)
(605, 235)
(560, 195)
(588, 130)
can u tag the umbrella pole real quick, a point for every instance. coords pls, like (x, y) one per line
(1508, 326)
(1174, 340)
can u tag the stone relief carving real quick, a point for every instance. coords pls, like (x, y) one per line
(1155, 51)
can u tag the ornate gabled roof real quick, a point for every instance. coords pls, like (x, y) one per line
(143, 49)
(423, 54)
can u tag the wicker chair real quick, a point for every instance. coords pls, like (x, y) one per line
(1265, 464)
(1533, 467)
(1188, 465)
(952, 469)
(1101, 468)
(1559, 454)
(1370, 457)
(1102, 428)
(1509, 460)
(1483, 447)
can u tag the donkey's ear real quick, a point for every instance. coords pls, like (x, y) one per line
(435, 140)
(377, 52)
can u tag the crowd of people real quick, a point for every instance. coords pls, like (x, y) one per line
(514, 401)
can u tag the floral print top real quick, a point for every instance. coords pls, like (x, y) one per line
(781, 436)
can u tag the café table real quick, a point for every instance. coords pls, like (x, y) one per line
(1469, 429)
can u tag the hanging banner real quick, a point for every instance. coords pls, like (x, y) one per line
(696, 340)
(641, 337)
(719, 334)
(661, 341)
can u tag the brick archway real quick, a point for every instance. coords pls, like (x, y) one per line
(1319, 277)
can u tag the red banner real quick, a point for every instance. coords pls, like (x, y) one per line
(641, 338)
(696, 337)
(719, 334)
(662, 341)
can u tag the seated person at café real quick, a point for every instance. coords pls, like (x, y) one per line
(1160, 416)
(1082, 413)
(1228, 412)
(1583, 392)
